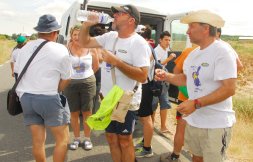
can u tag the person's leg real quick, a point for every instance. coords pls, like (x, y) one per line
(87, 130)
(179, 136)
(154, 107)
(61, 135)
(114, 145)
(197, 158)
(147, 130)
(38, 141)
(163, 115)
(75, 123)
(127, 148)
(164, 106)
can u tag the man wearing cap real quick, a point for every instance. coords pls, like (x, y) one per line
(48, 73)
(21, 41)
(131, 62)
(210, 75)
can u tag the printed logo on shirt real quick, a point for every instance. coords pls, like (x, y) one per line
(79, 68)
(195, 75)
(122, 51)
(205, 64)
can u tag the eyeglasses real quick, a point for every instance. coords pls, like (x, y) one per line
(120, 13)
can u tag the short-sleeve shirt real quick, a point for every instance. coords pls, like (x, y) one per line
(51, 64)
(14, 56)
(134, 51)
(161, 53)
(204, 70)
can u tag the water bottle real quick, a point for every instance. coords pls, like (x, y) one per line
(103, 18)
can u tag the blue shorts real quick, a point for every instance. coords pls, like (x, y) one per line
(163, 99)
(44, 110)
(126, 128)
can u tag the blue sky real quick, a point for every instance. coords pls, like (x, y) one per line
(22, 16)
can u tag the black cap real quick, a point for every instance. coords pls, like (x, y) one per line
(130, 9)
(47, 24)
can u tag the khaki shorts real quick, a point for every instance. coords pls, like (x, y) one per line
(210, 144)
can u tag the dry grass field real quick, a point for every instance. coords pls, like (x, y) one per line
(6, 47)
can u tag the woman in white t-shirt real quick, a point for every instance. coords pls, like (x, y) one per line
(82, 89)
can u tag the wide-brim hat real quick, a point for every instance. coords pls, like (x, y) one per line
(47, 24)
(203, 16)
(130, 9)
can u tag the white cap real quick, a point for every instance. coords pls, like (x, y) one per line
(139, 28)
(203, 16)
(25, 34)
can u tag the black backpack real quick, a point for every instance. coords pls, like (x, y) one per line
(155, 86)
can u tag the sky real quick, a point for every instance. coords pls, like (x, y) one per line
(22, 16)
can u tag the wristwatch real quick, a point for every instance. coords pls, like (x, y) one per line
(197, 104)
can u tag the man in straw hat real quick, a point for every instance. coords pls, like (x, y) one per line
(48, 73)
(210, 75)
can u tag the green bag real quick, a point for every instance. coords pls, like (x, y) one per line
(183, 89)
(102, 118)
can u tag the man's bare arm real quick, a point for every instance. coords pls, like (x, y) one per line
(63, 84)
(176, 79)
(226, 90)
(139, 74)
(86, 41)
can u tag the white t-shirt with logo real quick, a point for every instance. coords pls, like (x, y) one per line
(161, 53)
(134, 51)
(51, 64)
(205, 69)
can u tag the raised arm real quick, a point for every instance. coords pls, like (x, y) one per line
(85, 39)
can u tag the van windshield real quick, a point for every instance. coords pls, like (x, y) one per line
(178, 36)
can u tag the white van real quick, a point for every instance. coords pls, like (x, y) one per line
(157, 20)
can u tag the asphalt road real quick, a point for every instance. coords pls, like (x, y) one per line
(15, 138)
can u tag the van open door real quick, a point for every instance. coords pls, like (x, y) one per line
(179, 41)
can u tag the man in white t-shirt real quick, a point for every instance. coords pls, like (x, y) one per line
(210, 75)
(131, 62)
(162, 56)
(48, 73)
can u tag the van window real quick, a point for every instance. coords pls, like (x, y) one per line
(178, 36)
(67, 27)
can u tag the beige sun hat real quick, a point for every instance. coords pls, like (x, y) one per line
(203, 16)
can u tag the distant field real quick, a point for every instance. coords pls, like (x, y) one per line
(6, 47)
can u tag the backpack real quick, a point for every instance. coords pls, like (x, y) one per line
(155, 86)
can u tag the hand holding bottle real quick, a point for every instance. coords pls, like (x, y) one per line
(93, 17)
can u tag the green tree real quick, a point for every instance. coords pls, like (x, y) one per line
(14, 36)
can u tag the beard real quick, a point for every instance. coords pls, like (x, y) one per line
(120, 26)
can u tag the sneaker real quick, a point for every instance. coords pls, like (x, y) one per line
(87, 145)
(139, 145)
(143, 153)
(75, 144)
(167, 158)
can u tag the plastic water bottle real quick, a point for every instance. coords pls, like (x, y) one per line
(103, 18)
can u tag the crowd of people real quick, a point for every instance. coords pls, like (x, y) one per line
(82, 71)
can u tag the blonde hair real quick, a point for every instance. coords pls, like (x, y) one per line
(76, 27)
